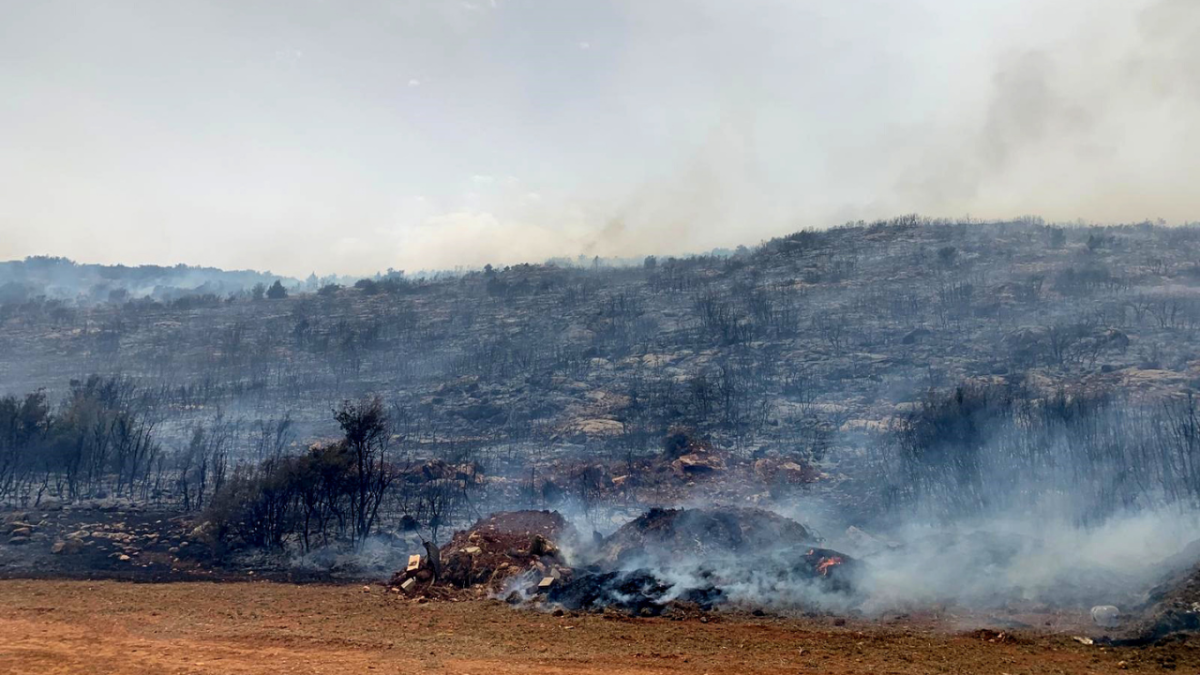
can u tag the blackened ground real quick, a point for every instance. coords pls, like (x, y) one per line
(122, 542)
(638, 592)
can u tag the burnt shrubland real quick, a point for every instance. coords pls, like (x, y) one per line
(1086, 454)
(944, 367)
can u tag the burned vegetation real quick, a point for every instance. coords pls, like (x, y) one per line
(870, 419)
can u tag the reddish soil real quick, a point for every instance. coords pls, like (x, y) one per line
(231, 628)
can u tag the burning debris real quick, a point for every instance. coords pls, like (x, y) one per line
(833, 568)
(685, 558)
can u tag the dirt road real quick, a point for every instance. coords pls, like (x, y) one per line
(230, 628)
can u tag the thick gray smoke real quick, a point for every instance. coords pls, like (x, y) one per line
(1089, 122)
(422, 134)
(1002, 562)
(983, 567)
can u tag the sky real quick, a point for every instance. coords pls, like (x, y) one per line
(311, 135)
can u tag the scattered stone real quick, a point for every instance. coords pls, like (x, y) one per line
(67, 547)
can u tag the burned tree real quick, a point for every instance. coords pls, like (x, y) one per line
(367, 437)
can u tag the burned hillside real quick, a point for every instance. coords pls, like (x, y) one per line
(865, 419)
(788, 349)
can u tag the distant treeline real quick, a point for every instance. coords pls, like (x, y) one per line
(61, 278)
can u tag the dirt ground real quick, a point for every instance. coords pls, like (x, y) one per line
(265, 627)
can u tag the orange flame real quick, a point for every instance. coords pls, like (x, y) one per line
(826, 564)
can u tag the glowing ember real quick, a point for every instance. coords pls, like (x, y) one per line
(827, 563)
(824, 564)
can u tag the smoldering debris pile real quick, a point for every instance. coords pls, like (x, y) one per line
(490, 552)
(703, 557)
(665, 559)
(673, 534)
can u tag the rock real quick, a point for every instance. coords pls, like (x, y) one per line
(67, 547)
(201, 532)
(124, 558)
(1106, 616)
(21, 532)
(697, 464)
(16, 517)
(18, 541)
(599, 427)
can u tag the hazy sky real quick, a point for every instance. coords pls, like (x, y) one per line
(350, 137)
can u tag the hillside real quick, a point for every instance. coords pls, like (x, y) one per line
(1038, 380)
(781, 345)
